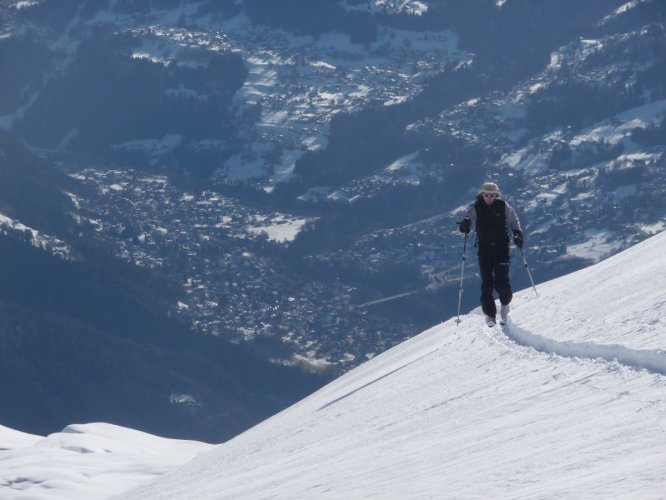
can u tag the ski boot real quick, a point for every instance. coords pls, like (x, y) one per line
(504, 314)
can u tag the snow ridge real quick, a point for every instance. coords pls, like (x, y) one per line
(652, 360)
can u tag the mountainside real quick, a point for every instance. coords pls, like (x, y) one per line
(83, 341)
(32, 191)
(84, 336)
(567, 400)
(281, 163)
(268, 172)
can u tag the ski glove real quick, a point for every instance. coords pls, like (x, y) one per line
(518, 238)
(465, 225)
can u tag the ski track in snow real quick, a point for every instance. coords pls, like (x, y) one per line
(652, 360)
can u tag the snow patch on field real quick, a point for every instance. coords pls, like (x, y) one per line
(280, 229)
(597, 247)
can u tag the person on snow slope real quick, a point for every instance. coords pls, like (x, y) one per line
(495, 220)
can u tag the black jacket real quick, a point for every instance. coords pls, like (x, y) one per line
(494, 222)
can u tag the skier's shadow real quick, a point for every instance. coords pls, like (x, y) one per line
(375, 381)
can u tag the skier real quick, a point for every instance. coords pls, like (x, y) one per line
(494, 218)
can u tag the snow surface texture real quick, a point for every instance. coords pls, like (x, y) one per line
(90, 461)
(567, 401)
(467, 412)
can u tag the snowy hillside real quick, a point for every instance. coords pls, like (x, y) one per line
(569, 400)
(85, 461)
(467, 412)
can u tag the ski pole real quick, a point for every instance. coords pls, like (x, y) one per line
(462, 272)
(527, 268)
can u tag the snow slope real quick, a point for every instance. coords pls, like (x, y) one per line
(89, 461)
(472, 412)
(568, 400)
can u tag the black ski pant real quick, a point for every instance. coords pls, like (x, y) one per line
(494, 270)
